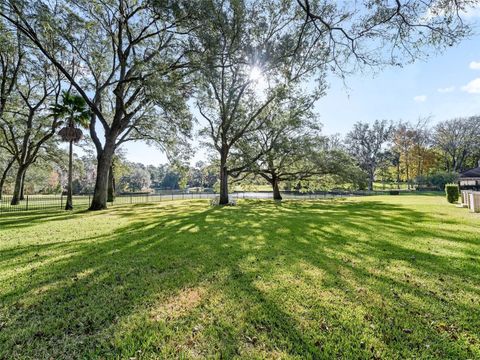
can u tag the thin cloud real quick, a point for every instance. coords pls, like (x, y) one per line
(420, 98)
(446, 89)
(475, 65)
(473, 87)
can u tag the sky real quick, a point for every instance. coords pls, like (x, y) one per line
(443, 87)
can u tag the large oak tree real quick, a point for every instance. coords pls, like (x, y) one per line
(130, 58)
(248, 56)
(26, 129)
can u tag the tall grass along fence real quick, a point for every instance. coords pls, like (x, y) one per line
(47, 202)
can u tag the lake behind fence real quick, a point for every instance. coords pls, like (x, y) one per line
(47, 202)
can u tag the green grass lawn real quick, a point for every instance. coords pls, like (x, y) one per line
(386, 277)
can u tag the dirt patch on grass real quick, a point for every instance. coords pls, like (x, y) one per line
(178, 305)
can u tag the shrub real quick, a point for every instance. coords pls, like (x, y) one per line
(452, 192)
(394, 192)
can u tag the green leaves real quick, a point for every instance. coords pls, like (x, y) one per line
(73, 110)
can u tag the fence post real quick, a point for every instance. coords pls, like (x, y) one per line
(26, 204)
(172, 194)
(130, 198)
(61, 201)
(89, 201)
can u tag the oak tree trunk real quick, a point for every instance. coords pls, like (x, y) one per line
(99, 201)
(18, 185)
(371, 178)
(4, 175)
(276, 190)
(111, 185)
(223, 178)
(22, 186)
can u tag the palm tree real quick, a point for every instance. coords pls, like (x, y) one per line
(74, 111)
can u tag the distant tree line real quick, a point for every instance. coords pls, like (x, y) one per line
(50, 177)
(388, 154)
(415, 152)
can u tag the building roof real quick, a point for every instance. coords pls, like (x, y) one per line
(472, 173)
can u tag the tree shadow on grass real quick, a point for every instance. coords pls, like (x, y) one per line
(19, 220)
(311, 280)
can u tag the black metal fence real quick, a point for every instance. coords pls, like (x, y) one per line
(47, 202)
(41, 202)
